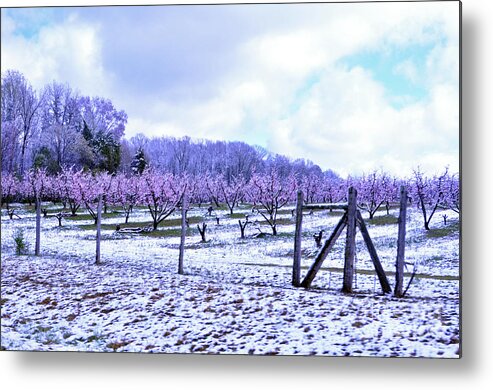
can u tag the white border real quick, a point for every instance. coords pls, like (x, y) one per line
(473, 371)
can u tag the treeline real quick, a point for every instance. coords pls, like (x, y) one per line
(200, 157)
(56, 127)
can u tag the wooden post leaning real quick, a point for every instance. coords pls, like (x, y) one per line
(373, 254)
(329, 243)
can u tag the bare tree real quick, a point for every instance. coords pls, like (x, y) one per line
(61, 123)
(181, 155)
(27, 107)
(20, 106)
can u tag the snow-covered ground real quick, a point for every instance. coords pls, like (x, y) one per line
(236, 294)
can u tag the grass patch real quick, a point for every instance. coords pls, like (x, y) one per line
(237, 215)
(173, 222)
(284, 211)
(80, 217)
(393, 206)
(382, 220)
(21, 245)
(279, 222)
(88, 217)
(444, 231)
(164, 233)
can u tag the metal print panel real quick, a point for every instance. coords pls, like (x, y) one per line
(262, 179)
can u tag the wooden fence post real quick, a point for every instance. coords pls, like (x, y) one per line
(401, 243)
(98, 231)
(350, 250)
(37, 247)
(297, 240)
(183, 234)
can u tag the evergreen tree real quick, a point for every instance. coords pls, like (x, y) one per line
(87, 134)
(43, 159)
(139, 163)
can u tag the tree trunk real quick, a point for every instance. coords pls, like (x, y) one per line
(98, 232)
(183, 235)
(242, 227)
(318, 238)
(23, 151)
(38, 227)
(202, 231)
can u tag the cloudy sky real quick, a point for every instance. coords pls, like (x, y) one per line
(352, 87)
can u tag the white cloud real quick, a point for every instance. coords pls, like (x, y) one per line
(348, 125)
(407, 69)
(292, 54)
(67, 52)
(442, 64)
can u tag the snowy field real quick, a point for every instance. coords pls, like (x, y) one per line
(236, 295)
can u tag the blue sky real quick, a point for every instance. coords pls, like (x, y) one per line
(384, 68)
(309, 81)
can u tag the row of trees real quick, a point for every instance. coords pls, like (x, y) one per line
(162, 193)
(57, 127)
(201, 157)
